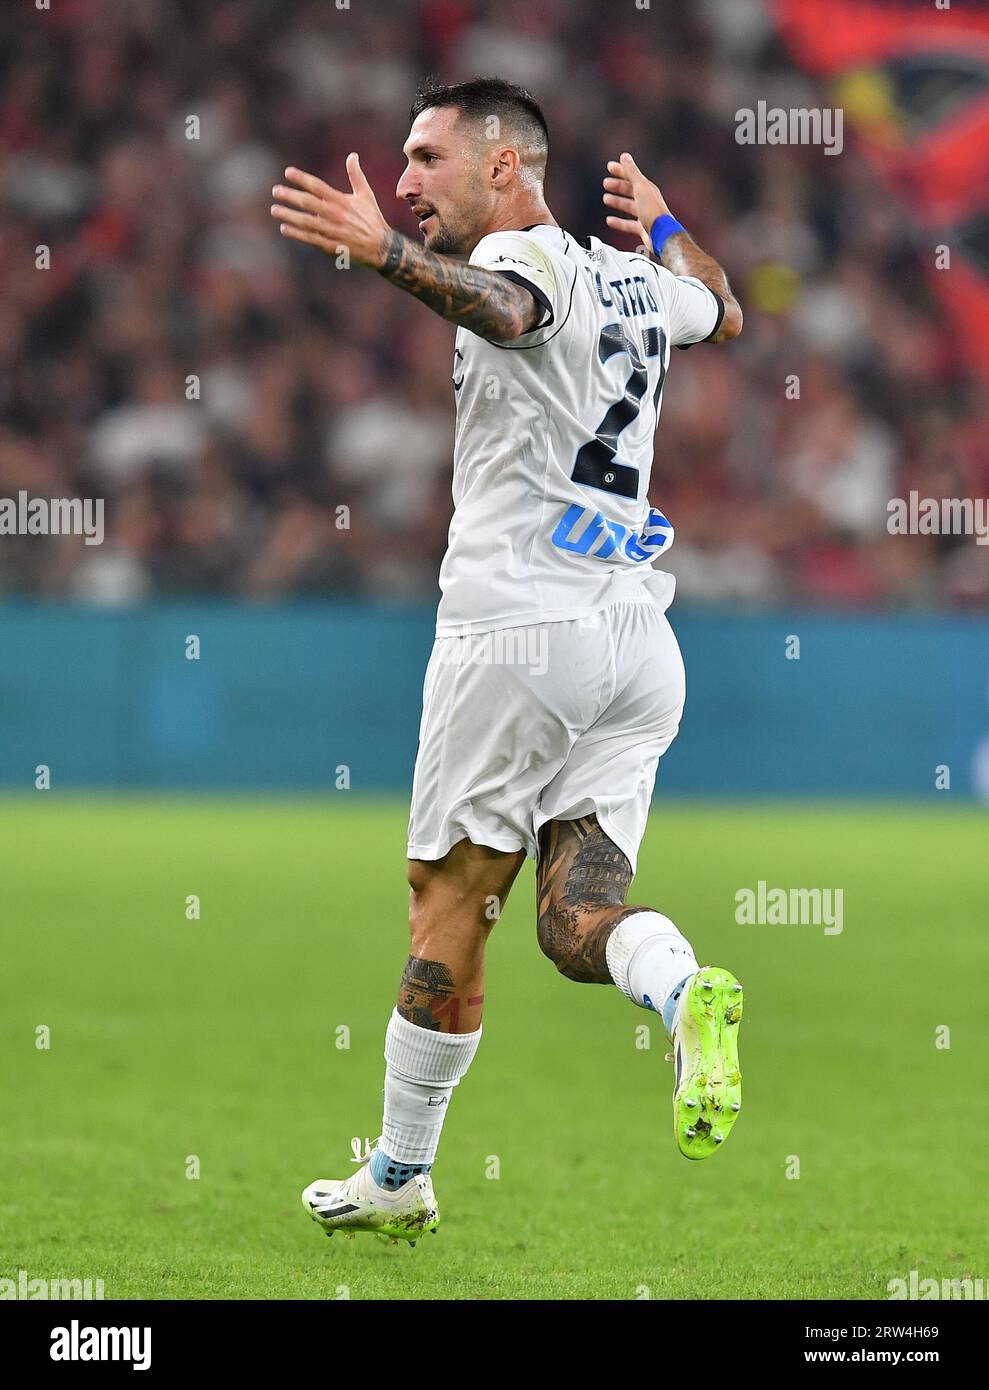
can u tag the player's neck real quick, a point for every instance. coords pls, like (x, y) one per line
(533, 213)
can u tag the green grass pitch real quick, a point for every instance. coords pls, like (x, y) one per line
(217, 1038)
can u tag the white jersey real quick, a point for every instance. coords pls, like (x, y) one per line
(555, 431)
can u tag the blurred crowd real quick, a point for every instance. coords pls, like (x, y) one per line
(264, 424)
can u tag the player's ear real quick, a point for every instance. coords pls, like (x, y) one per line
(506, 165)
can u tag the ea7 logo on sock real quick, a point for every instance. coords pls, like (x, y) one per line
(438, 1100)
(75, 1343)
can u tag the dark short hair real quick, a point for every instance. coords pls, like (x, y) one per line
(488, 96)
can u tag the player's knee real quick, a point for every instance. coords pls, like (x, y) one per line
(420, 875)
(439, 903)
(464, 885)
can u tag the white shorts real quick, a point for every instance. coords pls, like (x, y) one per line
(547, 722)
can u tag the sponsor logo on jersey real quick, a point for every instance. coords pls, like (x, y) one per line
(587, 532)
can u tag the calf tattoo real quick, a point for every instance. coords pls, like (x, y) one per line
(427, 996)
(581, 883)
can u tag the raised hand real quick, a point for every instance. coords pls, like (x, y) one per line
(322, 216)
(631, 193)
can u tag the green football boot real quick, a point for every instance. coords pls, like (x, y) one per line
(707, 1095)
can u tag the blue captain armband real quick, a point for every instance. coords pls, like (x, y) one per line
(662, 229)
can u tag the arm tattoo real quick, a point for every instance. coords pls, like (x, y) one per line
(427, 996)
(683, 256)
(468, 295)
(582, 880)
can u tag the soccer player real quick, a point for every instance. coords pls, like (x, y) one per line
(555, 682)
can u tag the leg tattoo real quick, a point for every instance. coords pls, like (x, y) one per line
(582, 880)
(427, 996)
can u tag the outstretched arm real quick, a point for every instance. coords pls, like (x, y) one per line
(487, 303)
(483, 301)
(628, 190)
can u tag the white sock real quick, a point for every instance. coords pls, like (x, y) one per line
(648, 957)
(422, 1068)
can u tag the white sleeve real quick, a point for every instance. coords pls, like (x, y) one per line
(527, 261)
(695, 312)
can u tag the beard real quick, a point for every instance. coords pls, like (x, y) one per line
(444, 241)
